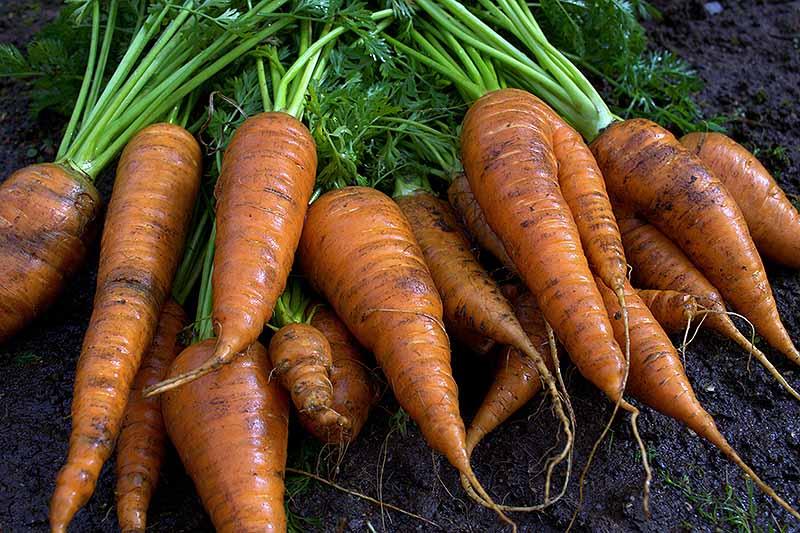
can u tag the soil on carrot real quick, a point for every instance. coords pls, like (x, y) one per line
(749, 56)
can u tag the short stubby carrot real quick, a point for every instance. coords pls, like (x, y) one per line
(464, 203)
(354, 389)
(48, 217)
(301, 359)
(359, 252)
(231, 431)
(648, 171)
(158, 177)
(507, 152)
(773, 221)
(658, 379)
(142, 439)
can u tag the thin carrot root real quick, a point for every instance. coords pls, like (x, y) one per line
(648, 472)
(476, 491)
(769, 491)
(214, 363)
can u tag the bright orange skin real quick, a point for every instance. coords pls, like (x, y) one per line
(47, 222)
(517, 380)
(773, 221)
(648, 171)
(157, 181)
(463, 201)
(302, 359)
(359, 252)
(354, 389)
(507, 151)
(231, 430)
(142, 439)
(267, 178)
(672, 309)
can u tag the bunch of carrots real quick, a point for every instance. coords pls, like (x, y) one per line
(295, 280)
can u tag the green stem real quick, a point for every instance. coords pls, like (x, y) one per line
(204, 326)
(406, 186)
(105, 48)
(266, 102)
(87, 78)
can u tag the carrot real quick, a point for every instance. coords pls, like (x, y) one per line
(517, 379)
(773, 221)
(657, 378)
(141, 444)
(302, 359)
(650, 172)
(354, 389)
(359, 251)
(522, 202)
(464, 203)
(267, 177)
(470, 339)
(673, 310)
(48, 219)
(470, 297)
(157, 181)
(659, 264)
(231, 431)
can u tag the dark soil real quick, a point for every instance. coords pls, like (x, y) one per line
(748, 55)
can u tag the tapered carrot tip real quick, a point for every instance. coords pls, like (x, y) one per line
(74, 486)
(222, 356)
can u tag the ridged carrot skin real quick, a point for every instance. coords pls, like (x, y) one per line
(584, 190)
(649, 171)
(157, 181)
(517, 381)
(508, 156)
(464, 203)
(231, 430)
(47, 221)
(657, 378)
(773, 221)
(354, 389)
(142, 439)
(673, 310)
(359, 252)
(267, 178)
(301, 359)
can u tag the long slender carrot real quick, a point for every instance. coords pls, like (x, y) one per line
(354, 389)
(773, 221)
(157, 180)
(507, 151)
(659, 264)
(650, 172)
(142, 439)
(465, 204)
(231, 431)
(47, 220)
(359, 251)
(657, 378)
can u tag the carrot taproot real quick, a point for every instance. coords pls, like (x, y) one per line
(648, 171)
(507, 152)
(301, 359)
(673, 310)
(231, 431)
(773, 221)
(267, 177)
(470, 296)
(354, 389)
(658, 379)
(142, 439)
(464, 203)
(48, 219)
(359, 252)
(157, 181)
(657, 263)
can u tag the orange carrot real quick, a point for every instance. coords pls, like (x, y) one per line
(231, 431)
(157, 181)
(673, 310)
(47, 221)
(359, 251)
(522, 201)
(354, 389)
(141, 444)
(267, 178)
(657, 378)
(470, 339)
(659, 264)
(650, 172)
(773, 221)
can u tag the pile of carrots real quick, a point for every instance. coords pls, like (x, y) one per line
(616, 234)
